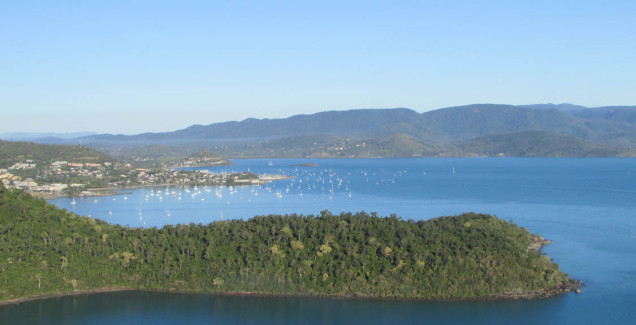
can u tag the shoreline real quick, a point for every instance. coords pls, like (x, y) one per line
(571, 286)
(114, 191)
(17, 301)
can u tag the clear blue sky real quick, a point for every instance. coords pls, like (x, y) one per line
(139, 66)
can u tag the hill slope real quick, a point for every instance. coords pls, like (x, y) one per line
(615, 113)
(12, 152)
(536, 144)
(431, 133)
(339, 123)
(45, 250)
(466, 122)
(325, 146)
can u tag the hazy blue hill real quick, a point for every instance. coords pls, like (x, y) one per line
(466, 122)
(340, 123)
(408, 133)
(325, 145)
(21, 136)
(615, 113)
(396, 145)
(536, 143)
(293, 146)
(565, 107)
(358, 122)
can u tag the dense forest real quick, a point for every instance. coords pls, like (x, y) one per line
(45, 250)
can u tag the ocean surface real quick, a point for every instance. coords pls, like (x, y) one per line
(587, 207)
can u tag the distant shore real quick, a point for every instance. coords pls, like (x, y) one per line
(112, 191)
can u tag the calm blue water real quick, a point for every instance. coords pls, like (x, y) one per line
(586, 206)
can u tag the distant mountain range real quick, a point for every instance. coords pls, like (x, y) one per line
(21, 136)
(472, 130)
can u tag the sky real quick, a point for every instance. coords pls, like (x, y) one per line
(152, 66)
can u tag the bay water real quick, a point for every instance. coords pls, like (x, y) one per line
(587, 207)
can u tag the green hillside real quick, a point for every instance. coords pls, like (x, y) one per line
(326, 146)
(45, 250)
(536, 144)
(12, 152)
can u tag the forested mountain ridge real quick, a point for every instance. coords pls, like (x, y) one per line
(441, 132)
(616, 113)
(471, 121)
(45, 250)
(339, 123)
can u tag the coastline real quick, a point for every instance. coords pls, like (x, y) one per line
(114, 191)
(17, 301)
(96, 193)
(571, 286)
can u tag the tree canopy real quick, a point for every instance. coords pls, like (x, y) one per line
(46, 250)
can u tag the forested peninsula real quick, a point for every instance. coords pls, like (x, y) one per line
(47, 251)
